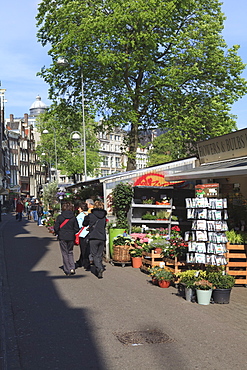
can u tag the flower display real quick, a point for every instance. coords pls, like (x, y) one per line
(177, 246)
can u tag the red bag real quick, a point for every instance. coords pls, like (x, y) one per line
(77, 236)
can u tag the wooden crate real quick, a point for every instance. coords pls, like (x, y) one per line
(237, 262)
(154, 259)
(150, 260)
(175, 265)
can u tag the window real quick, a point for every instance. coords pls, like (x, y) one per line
(117, 162)
(105, 161)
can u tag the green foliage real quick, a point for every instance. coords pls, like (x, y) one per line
(164, 274)
(221, 281)
(122, 196)
(136, 252)
(122, 240)
(60, 121)
(236, 237)
(145, 64)
(148, 216)
(187, 278)
(49, 194)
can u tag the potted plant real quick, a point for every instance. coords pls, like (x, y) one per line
(163, 215)
(153, 272)
(159, 245)
(136, 257)
(121, 246)
(148, 216)
(121, 199)
(223, 285)
(234, 237)
(164, 277)
(203, 291)
(188, 278)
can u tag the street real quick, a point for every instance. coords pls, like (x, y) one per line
(52, 321)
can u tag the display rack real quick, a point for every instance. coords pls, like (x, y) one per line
(237, 262)
(207, 239)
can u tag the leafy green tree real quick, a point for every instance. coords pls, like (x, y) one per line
(146, 64)
(61, 120)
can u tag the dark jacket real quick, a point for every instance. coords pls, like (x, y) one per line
(68, 231)
(40, 210)
(97, 223)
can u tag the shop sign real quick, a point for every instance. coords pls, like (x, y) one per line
(154, 179)
(207, 191)
(223, 147)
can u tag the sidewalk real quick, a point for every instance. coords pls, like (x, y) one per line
(51, 321)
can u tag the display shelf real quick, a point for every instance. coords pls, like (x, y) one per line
(141, 221)
(207, 239)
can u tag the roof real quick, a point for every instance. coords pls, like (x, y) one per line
(165, 168)
(231, 167)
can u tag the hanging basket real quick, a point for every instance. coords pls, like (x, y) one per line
(121, 253)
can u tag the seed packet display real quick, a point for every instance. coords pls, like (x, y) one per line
(201, 225)
(210, 247)
(200, 258)
(201, 247)
(191, 213)
(190, 258)
(202, 214)
(192, 246)
(201, 236)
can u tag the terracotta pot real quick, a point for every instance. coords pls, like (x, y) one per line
(155, 281)
(158, 250)
(164, 283)
(136, 262)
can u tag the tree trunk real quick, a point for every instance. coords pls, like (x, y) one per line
(133, 144)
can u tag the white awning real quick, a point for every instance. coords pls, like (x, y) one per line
(233, 167)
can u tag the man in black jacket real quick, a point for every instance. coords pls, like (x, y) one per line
(96, 220)
(66, 226)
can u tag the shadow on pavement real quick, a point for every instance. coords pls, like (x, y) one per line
(49, 333)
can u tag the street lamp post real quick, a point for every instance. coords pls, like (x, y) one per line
(64, 62)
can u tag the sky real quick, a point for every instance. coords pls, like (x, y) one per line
(21, 56)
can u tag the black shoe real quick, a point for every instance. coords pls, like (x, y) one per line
(78, 264)
(100, 274)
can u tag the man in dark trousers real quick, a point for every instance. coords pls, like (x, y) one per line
(96, 220)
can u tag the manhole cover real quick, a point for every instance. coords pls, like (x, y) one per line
(136, 338)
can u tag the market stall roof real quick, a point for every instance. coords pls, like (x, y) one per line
(164, 169)
(231, 167)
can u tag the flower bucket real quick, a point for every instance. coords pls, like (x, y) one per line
(203, 296)
(164, 283)
(189, 294)
(136, 262)
(221, 296)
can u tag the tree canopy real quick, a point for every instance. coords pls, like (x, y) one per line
(145, 64)
(61, 120)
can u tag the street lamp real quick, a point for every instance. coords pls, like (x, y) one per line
(55, 147)
(64, 62)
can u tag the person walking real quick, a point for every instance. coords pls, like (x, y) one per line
(96, 220)
(84, 245)
(34, 214)
(19, 209)
(40, 213)
(66, 226)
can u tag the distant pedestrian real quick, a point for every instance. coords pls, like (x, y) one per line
(40, 213)
(96, 220)
(19, 210)
(83, 260)
(34, 213)
(66, 226)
